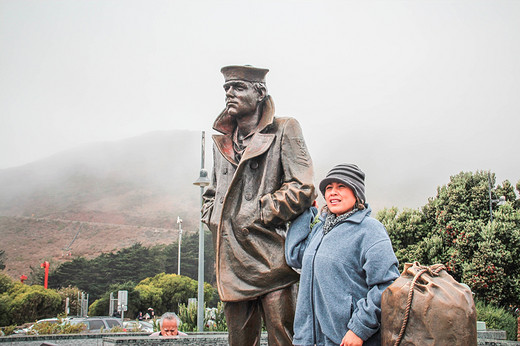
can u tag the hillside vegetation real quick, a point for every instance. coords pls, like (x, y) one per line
(99, 198)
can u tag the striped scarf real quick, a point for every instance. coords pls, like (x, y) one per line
(332, 220)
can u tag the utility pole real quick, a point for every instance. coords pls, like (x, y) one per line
(201, 182)
(179, 222)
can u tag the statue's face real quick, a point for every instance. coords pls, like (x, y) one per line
(241, 98)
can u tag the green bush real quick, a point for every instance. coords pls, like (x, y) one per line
(455, 229)
(46, 328)
(8, 330)
(214, 321)
(219, 320)
(72, 293)
(188, 316)
(101, 306)
(165, 292)
(497, 318)
(5, 305)
(155, 323)
(24, 303)
(116, 329)
(5, 283)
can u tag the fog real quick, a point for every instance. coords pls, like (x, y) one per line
(411, 91)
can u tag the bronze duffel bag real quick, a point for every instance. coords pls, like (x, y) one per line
(426, 306)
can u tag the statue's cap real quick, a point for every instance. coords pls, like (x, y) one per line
(246, 73)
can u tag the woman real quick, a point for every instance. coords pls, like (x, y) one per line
(346, 260)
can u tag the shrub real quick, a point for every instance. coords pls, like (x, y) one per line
(164, 292)
(72, 293)
(155, 323)
(214, 319)
(5, 305)
(45, 328)
(116, 329)
(30, 303)
(455, 229)
(188, 316)
(8, 330)
(100, 307)
(5, 283)
(497, 318)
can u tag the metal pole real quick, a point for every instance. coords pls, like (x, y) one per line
(179, 221)
(200, 295)
(111, 305)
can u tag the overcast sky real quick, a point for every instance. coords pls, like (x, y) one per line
(411, 91)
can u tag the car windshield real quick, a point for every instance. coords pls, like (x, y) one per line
(112, 323)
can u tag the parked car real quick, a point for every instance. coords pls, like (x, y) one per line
(137, 326)
(98, 323)
(33, 328)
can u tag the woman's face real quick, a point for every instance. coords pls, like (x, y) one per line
(340, 198)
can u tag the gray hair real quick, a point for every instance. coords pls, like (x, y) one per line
(170, 316)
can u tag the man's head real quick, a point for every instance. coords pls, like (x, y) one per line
(245, 89)
(170, 324)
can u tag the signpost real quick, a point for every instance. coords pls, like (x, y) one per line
(122, 303)
(67, 309)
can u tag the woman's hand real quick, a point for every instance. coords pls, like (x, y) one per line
(351, 339)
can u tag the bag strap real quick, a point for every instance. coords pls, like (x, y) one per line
(433, 271)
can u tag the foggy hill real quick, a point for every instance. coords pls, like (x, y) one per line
(108, 195)
(145, 180)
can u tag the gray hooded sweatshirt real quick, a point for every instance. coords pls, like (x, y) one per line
(343, 275)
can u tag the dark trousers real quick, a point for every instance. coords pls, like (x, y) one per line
(244, 319)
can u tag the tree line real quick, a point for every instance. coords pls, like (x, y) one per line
(134, 264)
(479, 247)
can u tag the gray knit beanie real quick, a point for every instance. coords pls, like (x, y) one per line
(348, 174)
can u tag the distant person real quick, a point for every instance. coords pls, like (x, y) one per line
(140, 316)
(170, 324)
(346, 260)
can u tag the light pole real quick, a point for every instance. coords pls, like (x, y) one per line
(499, 201)
(179, 222)
(201, 182)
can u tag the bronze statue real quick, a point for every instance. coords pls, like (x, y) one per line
(262, 178)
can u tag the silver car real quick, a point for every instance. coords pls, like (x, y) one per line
(138, 326)
(98, 323)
